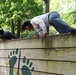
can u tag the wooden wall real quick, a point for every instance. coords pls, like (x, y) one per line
(56, 55)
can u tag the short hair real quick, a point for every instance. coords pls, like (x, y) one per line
(2, 31)
(27, 23)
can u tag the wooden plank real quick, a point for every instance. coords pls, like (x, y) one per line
(65, 68)
(5, 71)
(23, 43)
(49, 42)
(61, 55)
(54, 56)
(60, 41)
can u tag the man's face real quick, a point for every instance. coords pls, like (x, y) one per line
(28, 28)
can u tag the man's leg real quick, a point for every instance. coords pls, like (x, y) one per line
(59, 25)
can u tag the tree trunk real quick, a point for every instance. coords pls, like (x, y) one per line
(74, 12)
(47, 2)
(12, 26)
(12, 21)
(18, 28)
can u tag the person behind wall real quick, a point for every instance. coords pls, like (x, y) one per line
(41, 22)
(6, 36)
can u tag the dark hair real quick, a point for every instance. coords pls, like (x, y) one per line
(2, 31)
(27, 23)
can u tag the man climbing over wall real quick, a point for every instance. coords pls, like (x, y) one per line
(6, 36)
(41, 22)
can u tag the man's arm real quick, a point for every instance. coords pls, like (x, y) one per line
(38, 23)
(2, 40)
(13, 36)
(9, 36)
(39, 27)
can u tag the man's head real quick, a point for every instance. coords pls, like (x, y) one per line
(27, 26)
(1, 33)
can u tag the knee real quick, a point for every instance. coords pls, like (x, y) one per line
(53, 19)
(54, 15)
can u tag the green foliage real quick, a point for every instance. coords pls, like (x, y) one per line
(28, 34)
(22, 10)
(69, 18)
(32, 9)
(52, 30)
(68, 15)
(54, 5)
(18, 10)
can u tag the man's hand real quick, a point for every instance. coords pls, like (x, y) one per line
(2, 41)
(36, 36)
(44, 36)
